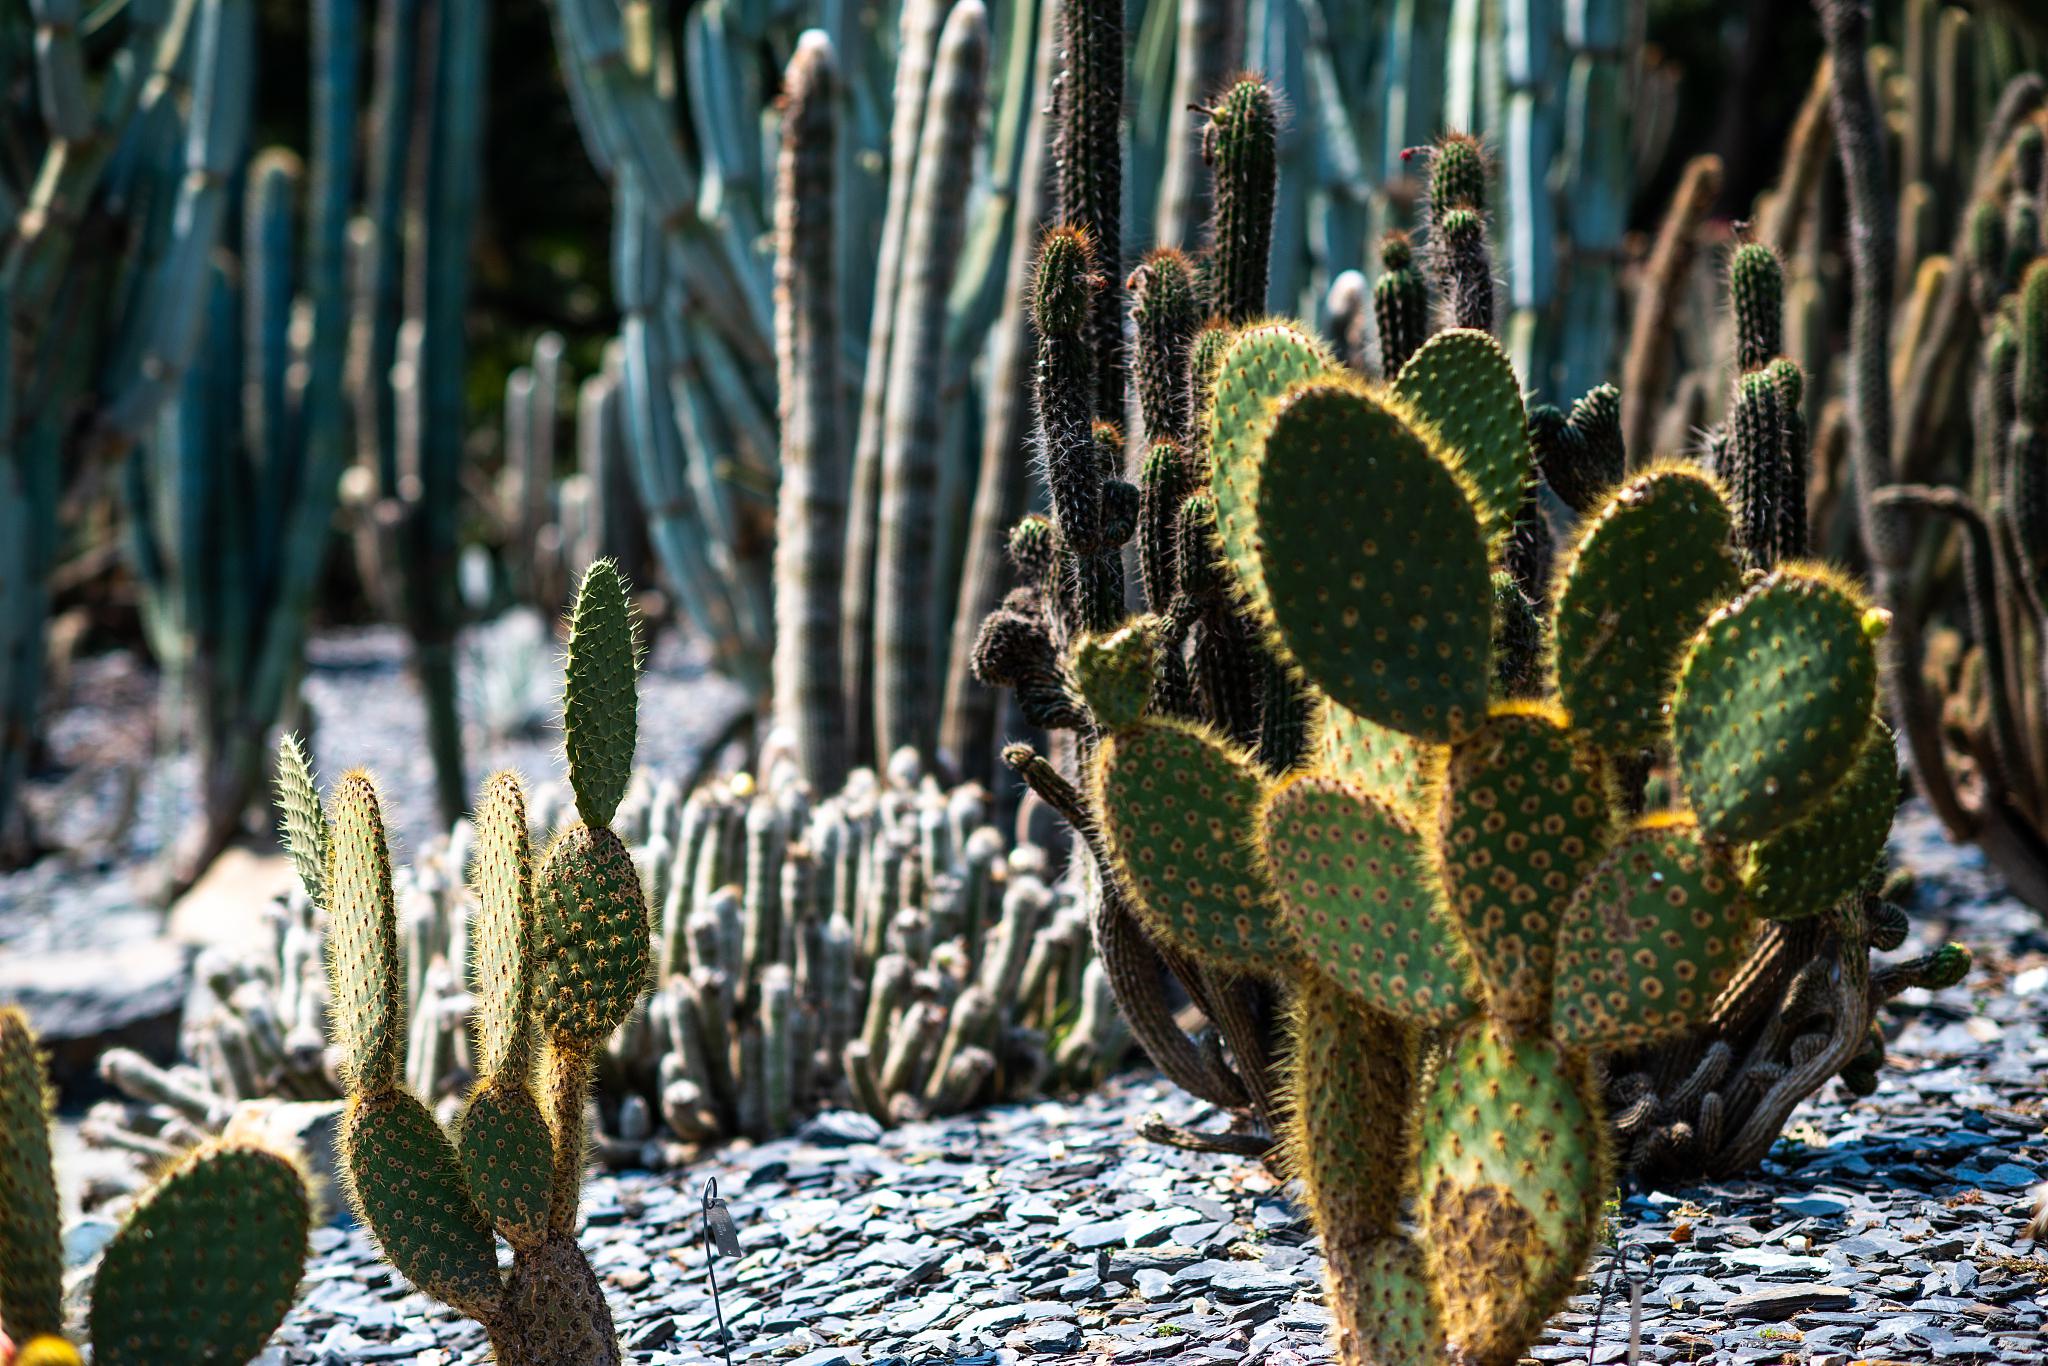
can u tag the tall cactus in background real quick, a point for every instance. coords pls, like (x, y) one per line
(562, 955)
(811, 503)
(413, 249)
(203, 1267)
(102, 278)
(233, 493)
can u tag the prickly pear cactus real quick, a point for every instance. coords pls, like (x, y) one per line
(1463, 860)
(561, 957)
(202, 1269)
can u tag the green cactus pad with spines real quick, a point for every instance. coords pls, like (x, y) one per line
(1352, 1072)
(1374, 563)
(1114, 674)
(599, 707)
(1395, 1316)
(305, 823)
(1178, 807)
(1646, 570)
(1522, 818)
(31, 1244)
(507, 1157)
(206, 1264)
(407, 1184)
(1258, 365)
(367, 1011)
(1511, 1182)
(1650, 940)
(1773, 702)
(1383, 761)
(1355, 884)
(501, 874)
(592, 937)
(1813, 863)
(1462, 383)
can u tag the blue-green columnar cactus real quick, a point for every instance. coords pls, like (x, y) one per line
(1459, 861)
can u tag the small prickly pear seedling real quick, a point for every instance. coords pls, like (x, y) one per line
(203, 1267)
(560, 958)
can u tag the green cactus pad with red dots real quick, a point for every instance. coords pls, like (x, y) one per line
(1505, 1231)
(1354, 881)
(1375, 568)
(206, 1264)
(409, 1186)
(1650, 940)
(1462, 384)
(1259, 364)
(1773, 702)
(1178, 808)
(1522, 818)
(507, 1156)
(591, 937)
(1822, 857)
(1648, 567)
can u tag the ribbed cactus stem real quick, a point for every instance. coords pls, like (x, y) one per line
(1238, 144)
(907, 661)
(1167, 314)
(1756, 289)
(1400, 302)
(1088, 173)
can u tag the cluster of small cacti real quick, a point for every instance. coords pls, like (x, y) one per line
(882, 947)
(202, 1269)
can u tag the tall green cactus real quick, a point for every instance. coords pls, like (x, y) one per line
(203, 1267)
(562, 954)
(1508, 901)
(124, 154)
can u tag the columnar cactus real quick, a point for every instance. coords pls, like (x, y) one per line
(1486, 884)
(561, 956)
(202, 1270)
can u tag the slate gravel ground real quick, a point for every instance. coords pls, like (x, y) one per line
(1889, 1229)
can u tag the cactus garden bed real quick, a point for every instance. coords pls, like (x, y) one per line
(1889, 1228)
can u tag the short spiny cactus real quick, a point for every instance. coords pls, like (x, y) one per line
(203, 1268)
(560, 955)
(1491, 884)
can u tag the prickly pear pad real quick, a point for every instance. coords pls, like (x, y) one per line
(1462, 384)
(1394, 1317)
(1773, 703)
(600, 716)
(1650, 940)
(592, 937)
(1820, 858)
(206, 1265)
(1178, 808)
(1375, 569)
(1522, 818)
(1648, 567)
(409, 1186)
(368, 1011)
(1378, 758)
(1259, 364)
(1510, 1155)
(31, 1236)
(1354, 883)
(501, 873)
(507, 1156)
